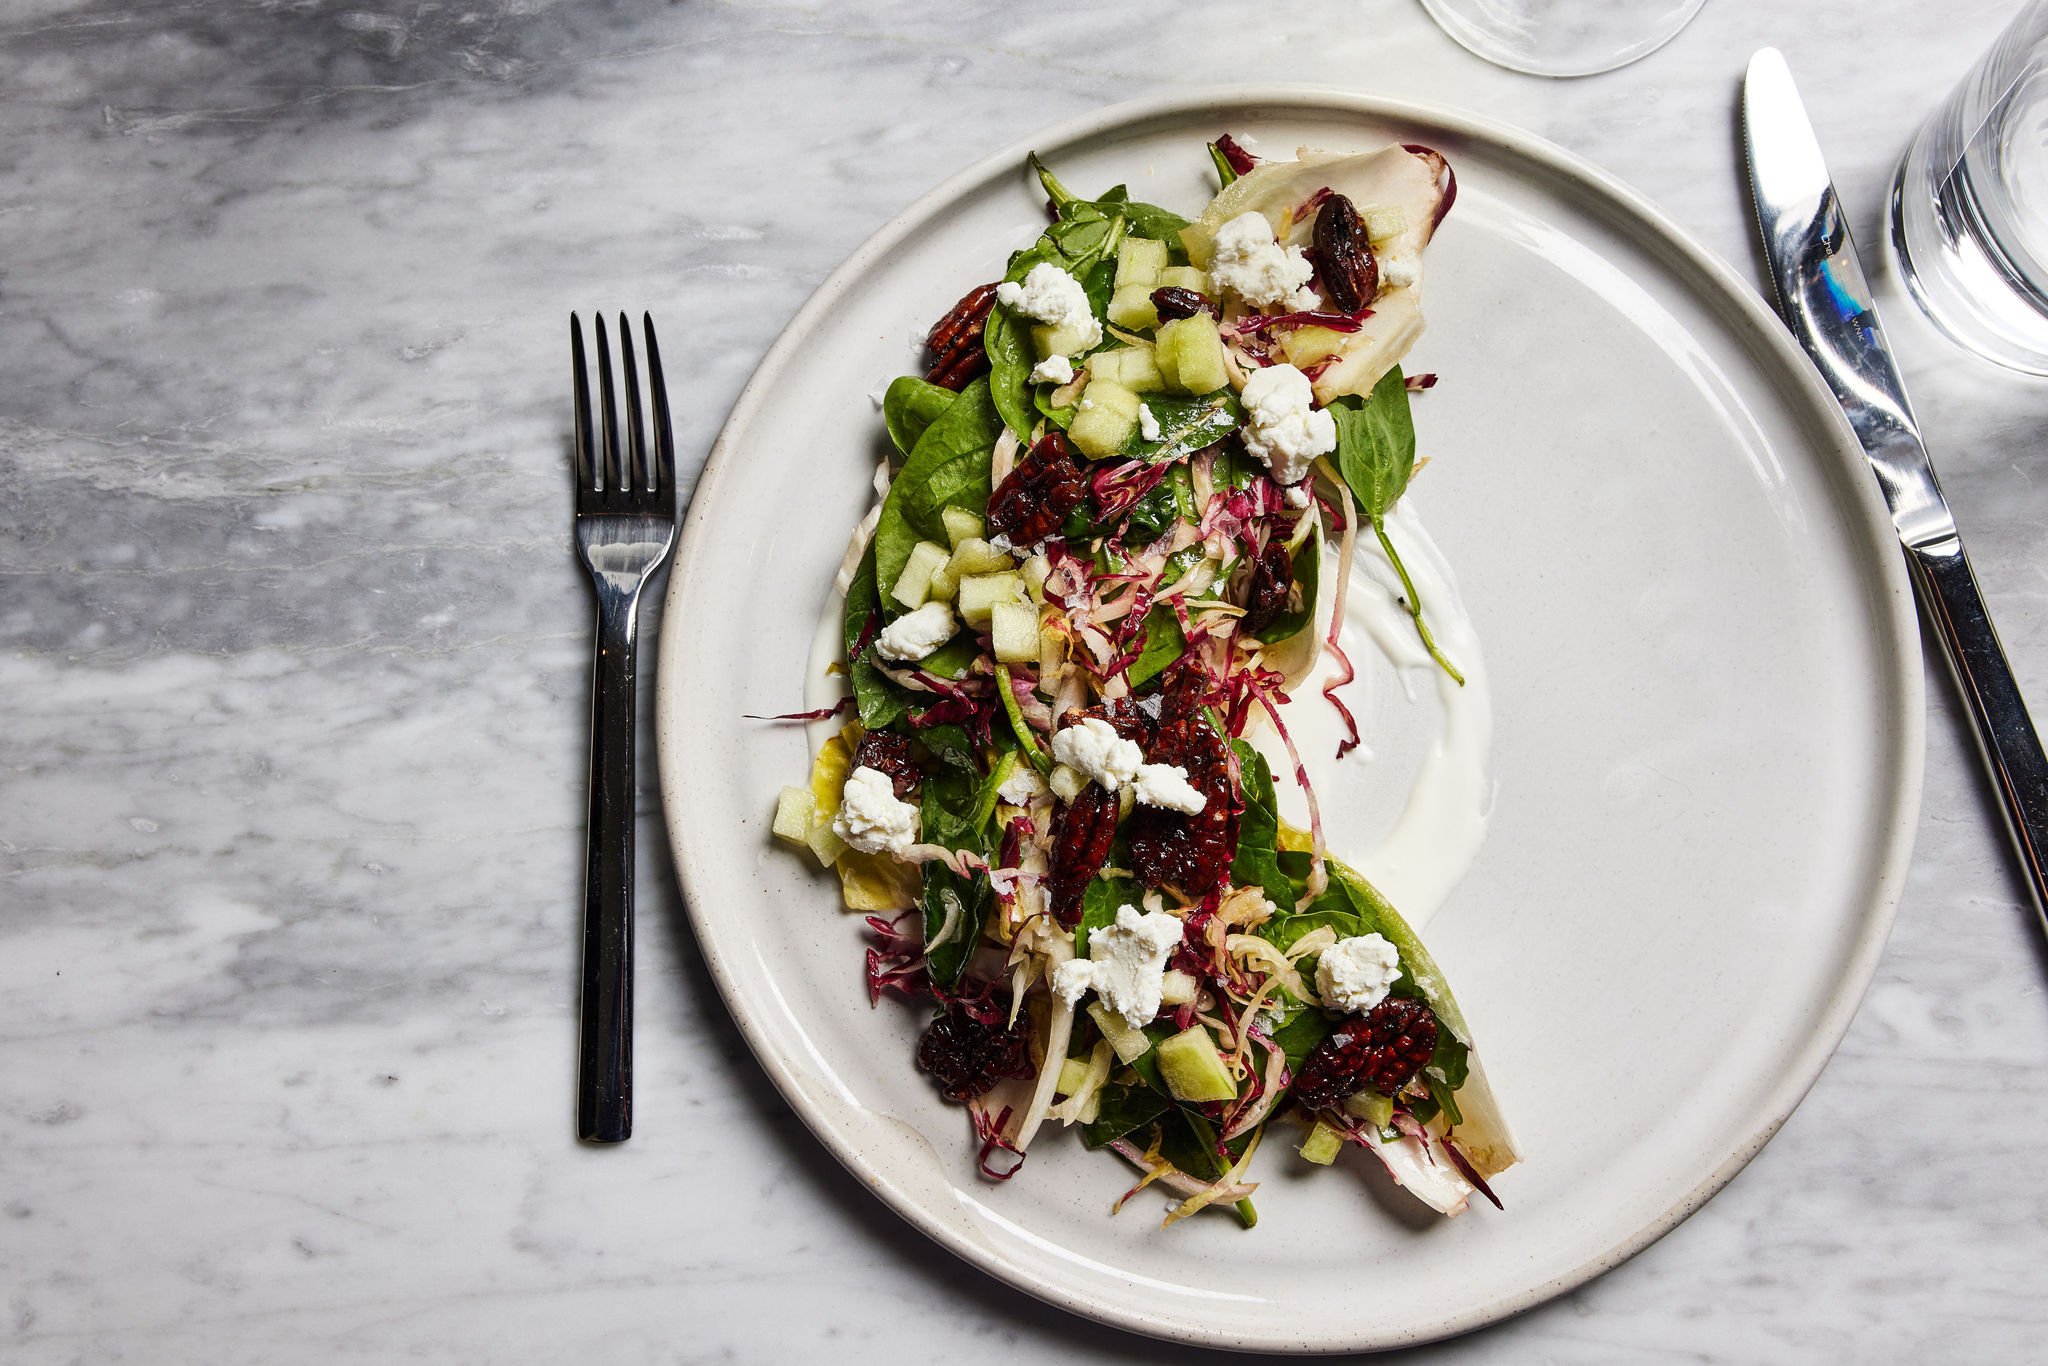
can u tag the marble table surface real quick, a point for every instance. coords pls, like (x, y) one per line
(293, 680)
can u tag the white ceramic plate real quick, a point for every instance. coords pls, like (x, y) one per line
(1708, 741)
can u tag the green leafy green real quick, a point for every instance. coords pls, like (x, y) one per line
(878, 701)
(1010, 362)
(1302, 1032)
(1257, 863)
(1146, 220)
(949, 814)
(1376, 457)
(1225, 172)
(1164, 643)
(948, 467)
(1124, 1107)
(1376, 443)
(911, 405)
(1186, 425)
(1165, 505)
(948, 895)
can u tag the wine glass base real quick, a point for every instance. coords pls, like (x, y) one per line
(1562, 38)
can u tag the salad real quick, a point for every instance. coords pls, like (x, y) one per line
(1131, 485)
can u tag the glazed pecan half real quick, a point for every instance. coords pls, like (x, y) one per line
(955, 340)
(1344, 259)
(1033, 502)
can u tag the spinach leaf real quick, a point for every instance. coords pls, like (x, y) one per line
(1258, 832)
(1376, 457)
(1301, 1034)
(878, 701)
(948, 814)
(1376, 443)
(911, 405)
(948, 467)
(1124, 1107)
(1010, 361)
(1225, 172)
(1165, 505)
(953, 658)
(1186, 425)
(1308, 566)
(947, 895)
(1164, 643)
(1146, 220)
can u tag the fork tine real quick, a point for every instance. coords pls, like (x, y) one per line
(664, 434)
(586, 472)
(613, 470)
(638, 473)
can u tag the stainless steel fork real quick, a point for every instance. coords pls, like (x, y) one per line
(625, 529)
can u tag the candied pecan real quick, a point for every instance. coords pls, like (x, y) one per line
(1033, 502)
(1192, 852)
(955, 340)
(888, 752)
(1173, 301)
(1081, 836)
(1265, 594)
(1344, 259)
(968, 1050)
(1384, 1051)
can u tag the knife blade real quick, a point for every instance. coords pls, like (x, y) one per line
(1827, 302)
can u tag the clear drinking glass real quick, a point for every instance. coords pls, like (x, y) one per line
(1562, 37)
(1969, 205)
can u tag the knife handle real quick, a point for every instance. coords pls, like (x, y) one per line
(2005, 732)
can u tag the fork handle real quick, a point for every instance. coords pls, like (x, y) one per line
(604, 1099)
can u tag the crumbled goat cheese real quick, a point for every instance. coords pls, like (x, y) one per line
(1249, 262)
(1094, 749)
(1354, 974)
(1053, 370)
(1021, 786)
(1051, 295)
(1125, 964)
(1396, 271)
(870, 818)
(1148, 425)
(1283, 427)
(1167, 785)
(916, 634)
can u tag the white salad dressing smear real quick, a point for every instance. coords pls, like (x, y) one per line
(1432, 843)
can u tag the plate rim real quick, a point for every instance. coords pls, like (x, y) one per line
(1893, 602)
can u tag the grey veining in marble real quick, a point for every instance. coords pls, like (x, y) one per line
(292, 679)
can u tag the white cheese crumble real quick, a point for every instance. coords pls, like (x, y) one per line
(1398, 271)
(1282, 425)
(1021, 786)
(1148, 425)
(1053, 370)
(870, 818)
(1249, 261)
(1095, 749)
(1051, 295)
(916, 634)
(1125, 964)
(1354, 974)
(1167, 785)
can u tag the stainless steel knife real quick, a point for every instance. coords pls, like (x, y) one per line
(1827, 303)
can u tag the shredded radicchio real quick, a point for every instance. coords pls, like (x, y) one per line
(815, 714)
(989, 1129)
(1240, 160)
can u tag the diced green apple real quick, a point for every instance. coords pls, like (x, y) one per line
(1193, 1069)
(1035, 571)
(825, 844)
(1139, 261)
(1131, 306)
(1130, 1044)
(1066, 783)
(795, 811)
(914, 585)
(1322, 1144)
(1067, 339)
(1073, 1076)
(1106, 419)
(979, 594)
(1370, 1106)
(976, 556)
(1013, 629)
(1189, 352)
(1383, 221)
(1185, 277)
(961, 525)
